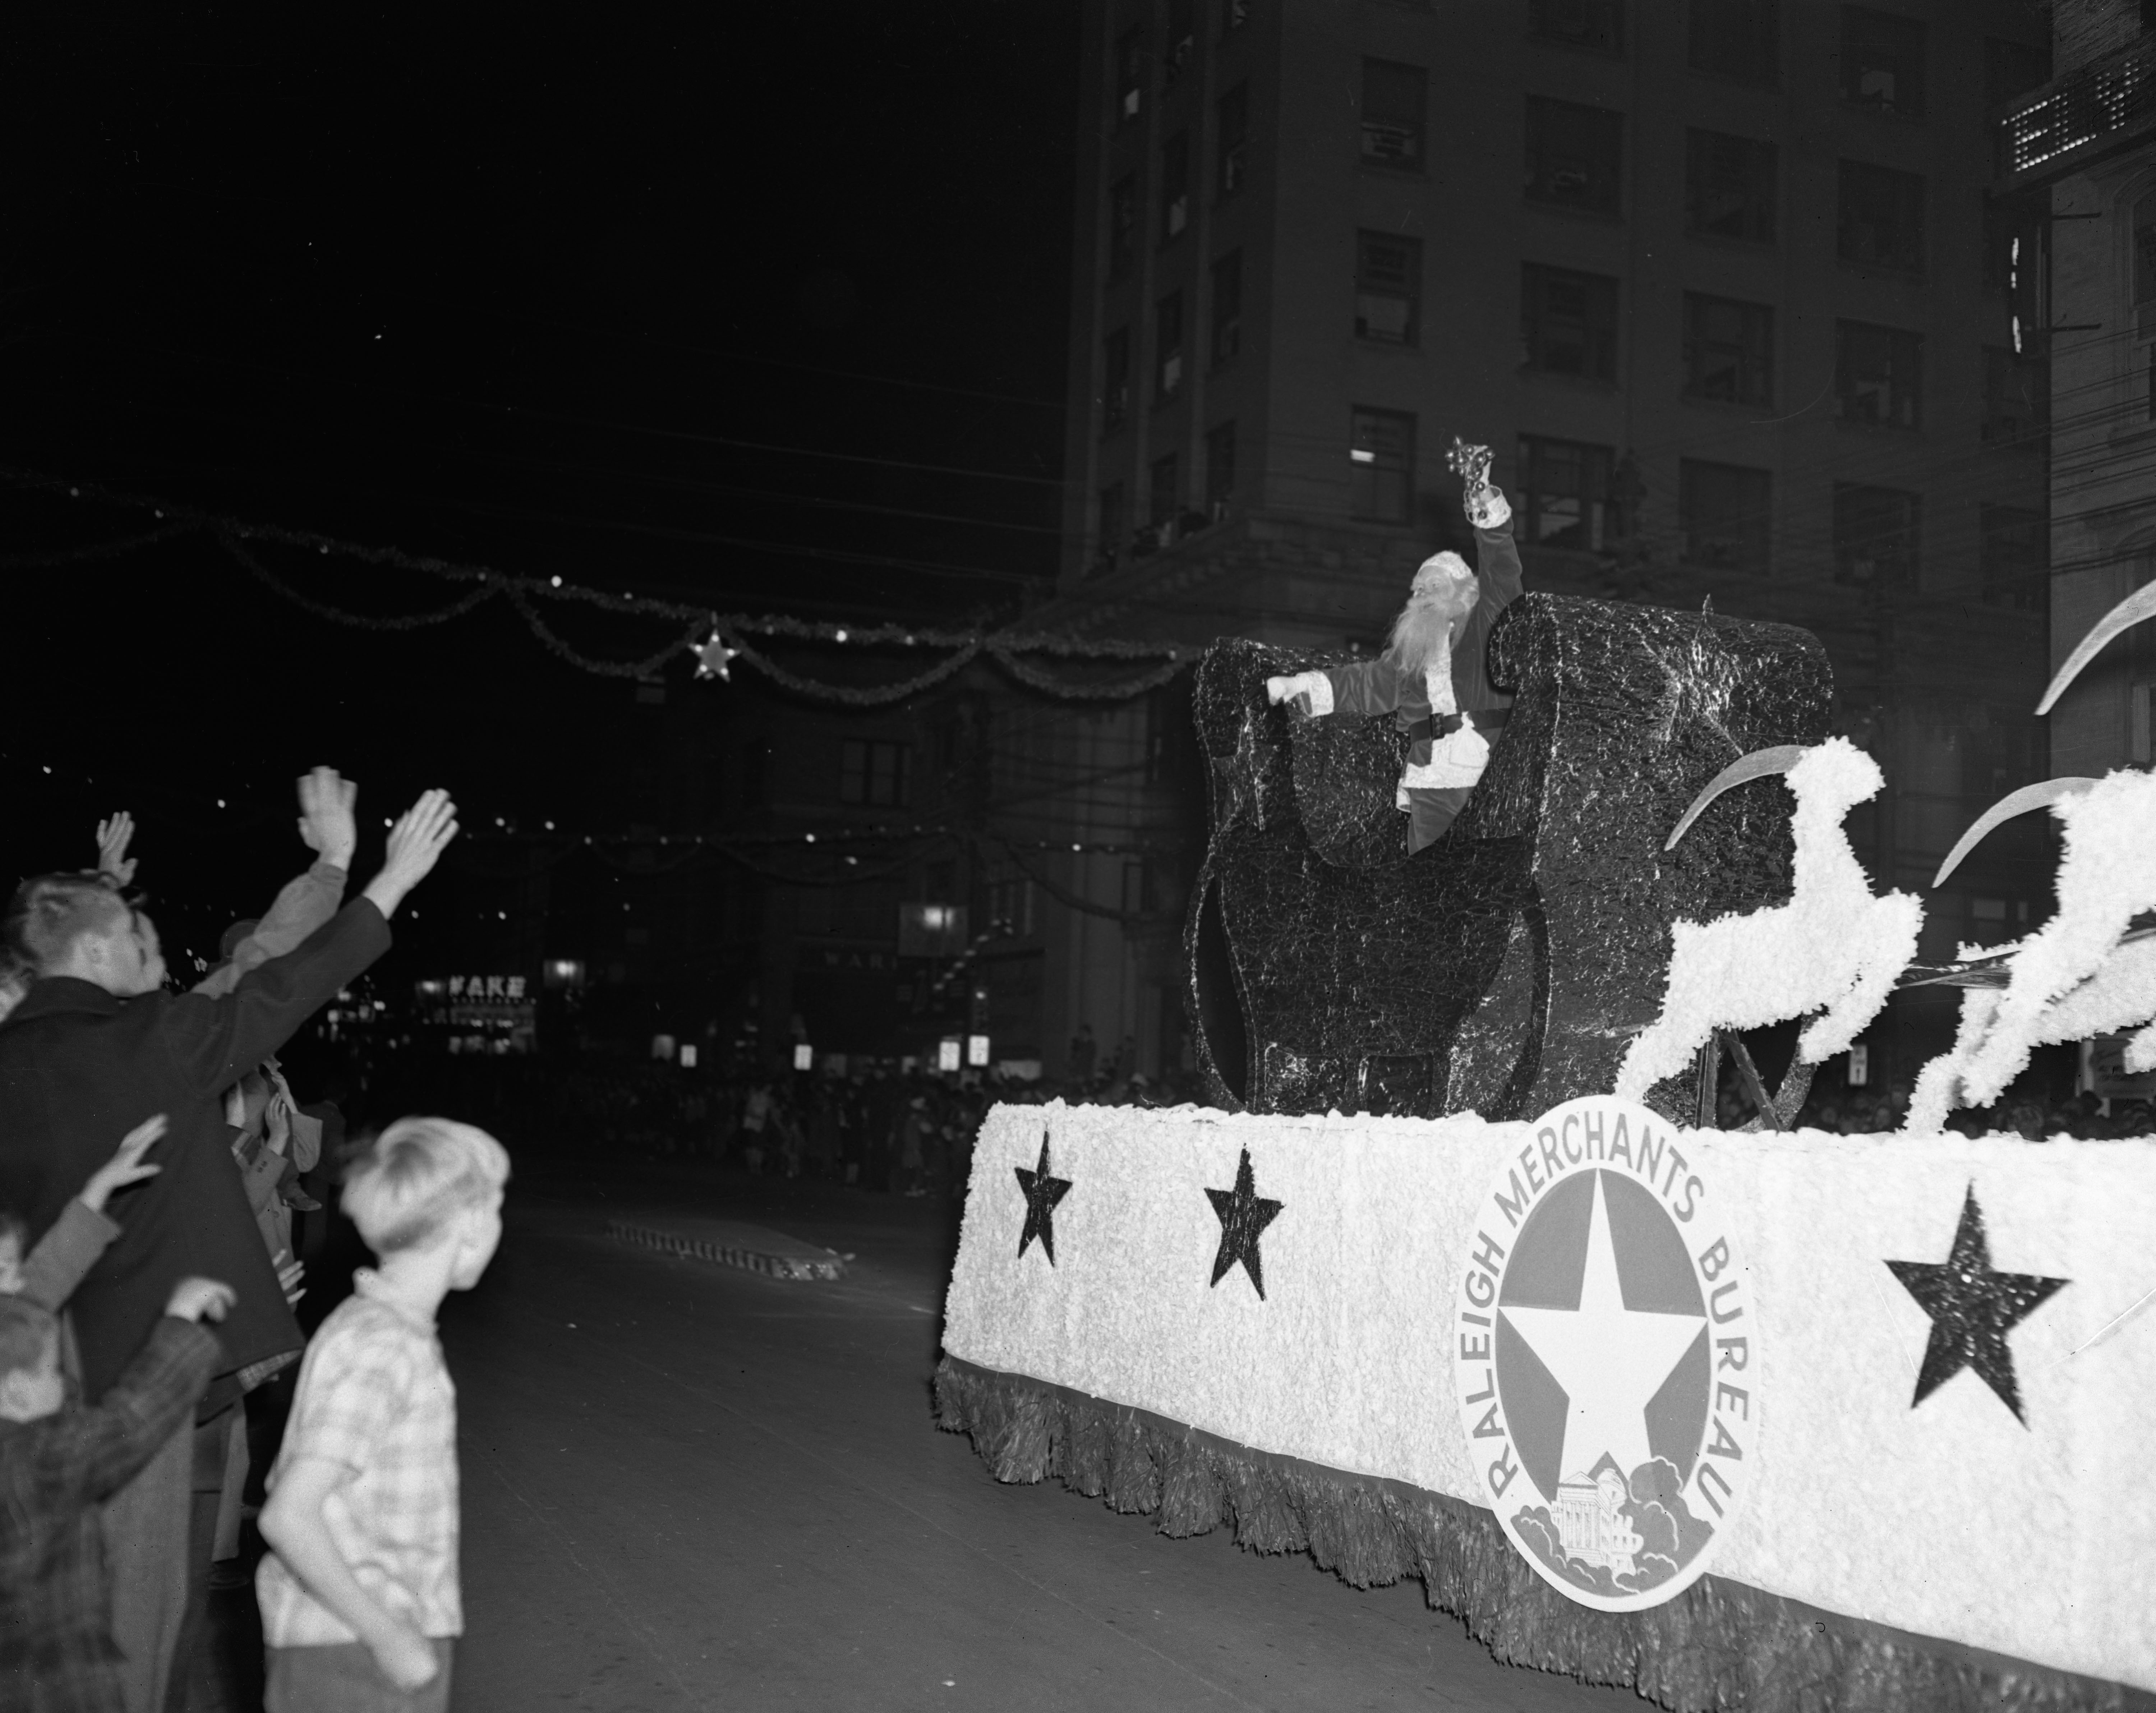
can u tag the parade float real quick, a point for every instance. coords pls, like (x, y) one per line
(1456, 1279)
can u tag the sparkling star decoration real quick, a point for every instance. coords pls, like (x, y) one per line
(1042, 1193)
(1243, 1216)
(1971, 1309)
(715, 657)
(1610, 1360)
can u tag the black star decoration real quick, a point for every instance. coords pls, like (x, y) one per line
(1972, 1308)
(1042, 1193)
(1244, 1214)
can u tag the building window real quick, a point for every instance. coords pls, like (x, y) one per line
(1882, 62)
(1567, 323)
(1597, 24)
(873, 773)
(1219, 469)
(1381, 456)
(1130, 74)
(1163, 498)
(2012, 69)
(1565, 494)
(1122, 227)
(1737, 38)
(1877, 535)
(1575, 155)
(1392, 115)
(1729, 187)
(1116, 380)
(1878, 375)
(1882, 223)
(1729, 350)
(2017, 399)
(1235, 133)
(1723, 511)
(1174, 186)
(1168, 347)
(1388, 288)
(2013, 553)
(1227, 337)
(1114, 520)
(1182, 38)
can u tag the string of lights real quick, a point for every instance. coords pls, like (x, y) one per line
(554, 837)
(723, 635)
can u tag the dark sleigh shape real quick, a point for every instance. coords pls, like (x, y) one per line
(1506, 967)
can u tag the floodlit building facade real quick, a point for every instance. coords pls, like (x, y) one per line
(2079, 154)
(1721, 283)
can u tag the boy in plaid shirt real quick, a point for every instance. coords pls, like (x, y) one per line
(359, 1595)
(56, 1466)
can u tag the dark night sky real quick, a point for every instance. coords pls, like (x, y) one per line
(500, 287)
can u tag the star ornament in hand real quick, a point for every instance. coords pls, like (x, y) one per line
(1971, 1309)
(1610, 1360)
(1042, 1193)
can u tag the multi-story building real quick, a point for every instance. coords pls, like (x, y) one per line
(2080, 154)
(1721, 281)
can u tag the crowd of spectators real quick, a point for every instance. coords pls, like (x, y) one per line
(152, 1157)
(885, 1126)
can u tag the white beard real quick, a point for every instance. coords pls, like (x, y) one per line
(1422, 634)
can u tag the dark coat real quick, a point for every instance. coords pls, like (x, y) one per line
(1379, 687)
(80, 1068)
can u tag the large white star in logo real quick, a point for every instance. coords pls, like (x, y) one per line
(1610, 1360)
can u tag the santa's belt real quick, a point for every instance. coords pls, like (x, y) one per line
(1432, 726)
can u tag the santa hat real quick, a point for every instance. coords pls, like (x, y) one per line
(1439, 570)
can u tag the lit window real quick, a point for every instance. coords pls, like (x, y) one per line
(1882, 62)
(1381, 463)
(1392, 114)
(1388, 288)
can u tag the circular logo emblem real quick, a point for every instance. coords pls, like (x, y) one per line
(1608, 1356)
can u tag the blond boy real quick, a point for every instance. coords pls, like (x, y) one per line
(359, 1593)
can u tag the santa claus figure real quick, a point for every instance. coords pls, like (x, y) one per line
(1431, 678)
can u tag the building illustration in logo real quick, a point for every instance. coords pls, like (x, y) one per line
(1591, 1524)
(1605, 1356)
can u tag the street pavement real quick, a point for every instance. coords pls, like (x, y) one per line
(691, 1486)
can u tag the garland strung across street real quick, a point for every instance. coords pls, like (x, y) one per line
(717, 639)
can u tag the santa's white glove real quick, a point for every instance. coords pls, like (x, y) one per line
(1489, 510)
(1311, 692)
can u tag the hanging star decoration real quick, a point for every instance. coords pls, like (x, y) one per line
(1042, 1193)
(1971, 1309)
(1244, 1214)
(715, 656)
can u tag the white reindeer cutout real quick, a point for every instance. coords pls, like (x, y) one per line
(1833, 947)
(2085, 972)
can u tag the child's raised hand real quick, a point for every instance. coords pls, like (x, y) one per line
(125, 1166)
(288, 1281)
(199, 1299)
